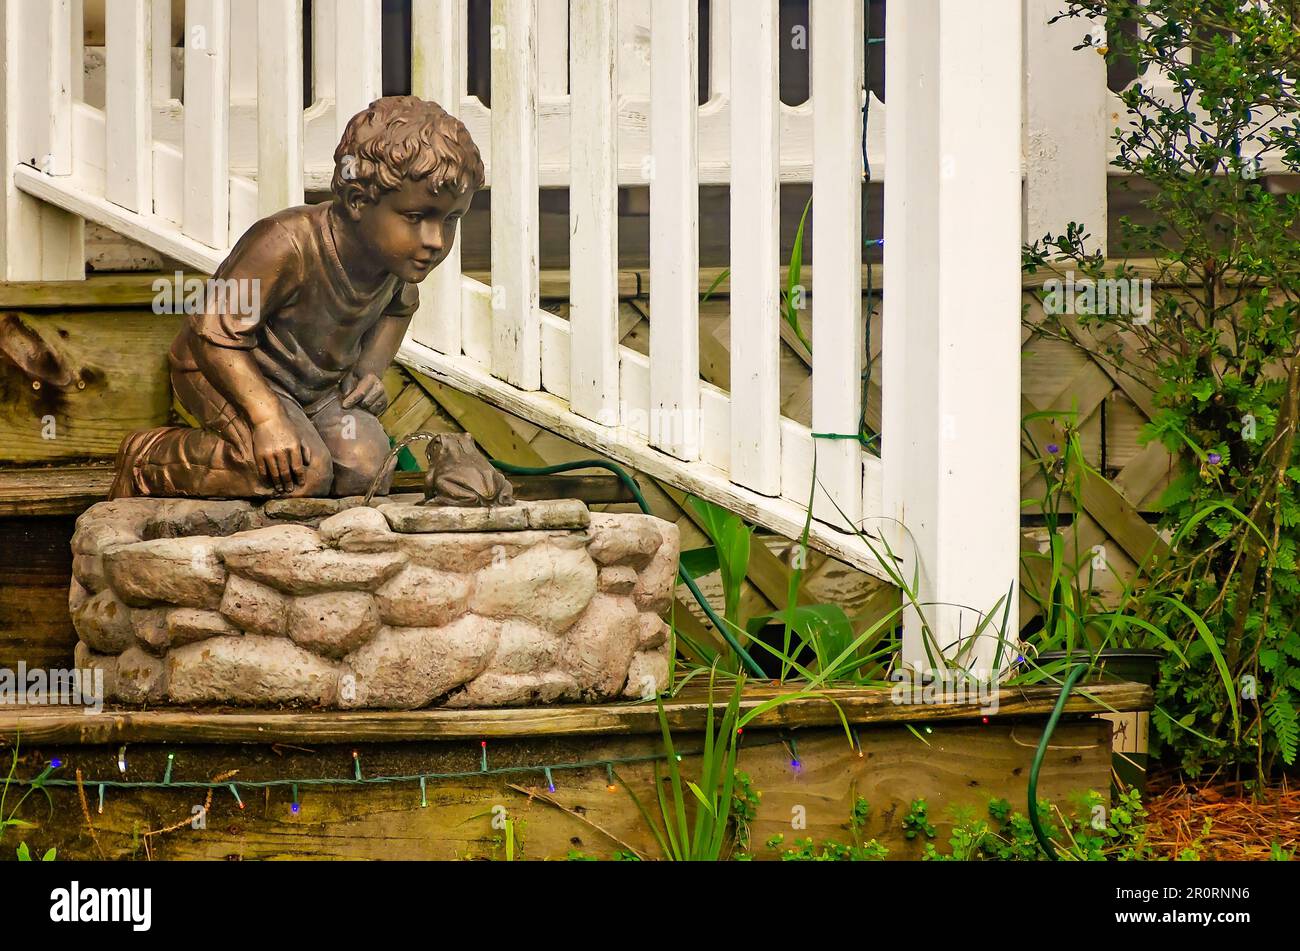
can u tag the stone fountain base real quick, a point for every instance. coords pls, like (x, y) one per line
(327, 602)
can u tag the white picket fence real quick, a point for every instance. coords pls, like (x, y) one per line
(187, 180)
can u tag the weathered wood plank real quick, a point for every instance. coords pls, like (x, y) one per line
(106, 250)
(34, 625)
(858, 706)
(35, 567)
(1105, 503)
(97, 291)
(958, 766)
(70, 490)
(67, 490)
(89, 379)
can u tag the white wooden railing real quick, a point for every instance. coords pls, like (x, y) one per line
(188, 179)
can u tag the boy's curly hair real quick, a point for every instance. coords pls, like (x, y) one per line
(400, 137)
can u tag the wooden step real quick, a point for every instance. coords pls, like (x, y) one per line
(70, 490)
(688, 711)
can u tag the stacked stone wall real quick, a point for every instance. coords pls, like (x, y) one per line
(328, 602)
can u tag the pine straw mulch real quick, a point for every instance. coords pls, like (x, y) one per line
(1241, 827)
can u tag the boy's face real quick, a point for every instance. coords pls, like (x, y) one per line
(410, 231)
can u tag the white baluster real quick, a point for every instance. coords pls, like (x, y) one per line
(674, 232)
(951, 379)
(553, 49)
(755, 250)
(438, 73)
(358, 71)
(50, 121)
(837, 69)
(77, 63)
(593, 214)
(206, 202)
(721, 46)
(279, 105)
(37, 241)
(516, 332)
(160, 49)
(128, 32)
(323, 16)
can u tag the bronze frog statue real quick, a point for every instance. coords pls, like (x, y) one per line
(458, 474)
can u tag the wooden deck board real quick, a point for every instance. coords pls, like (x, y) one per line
(958, 769)
(866, 706)
(70, 490)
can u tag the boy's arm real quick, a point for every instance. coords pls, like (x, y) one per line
(364, 386)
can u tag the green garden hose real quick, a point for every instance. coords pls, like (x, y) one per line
(719, 623)
(1071, 679)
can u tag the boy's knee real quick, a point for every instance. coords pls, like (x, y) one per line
(359, 447)
(318, 476)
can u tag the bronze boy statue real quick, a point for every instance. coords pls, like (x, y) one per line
(288, 395)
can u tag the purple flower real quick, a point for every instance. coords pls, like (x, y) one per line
(1053, 448)
(1214, 458)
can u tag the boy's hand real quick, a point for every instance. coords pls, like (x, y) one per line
(281, 457)
(367, 392)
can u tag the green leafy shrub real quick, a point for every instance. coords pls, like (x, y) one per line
(1094, 834)
(1221, 352)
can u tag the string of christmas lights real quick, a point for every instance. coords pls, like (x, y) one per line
(547, 771)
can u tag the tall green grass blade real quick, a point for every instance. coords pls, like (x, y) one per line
(1211, 645)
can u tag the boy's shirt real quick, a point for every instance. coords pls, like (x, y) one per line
(310, 325)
